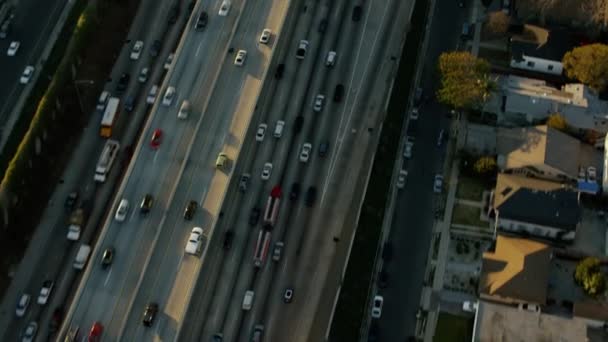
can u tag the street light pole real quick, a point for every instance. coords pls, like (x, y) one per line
(76, 83)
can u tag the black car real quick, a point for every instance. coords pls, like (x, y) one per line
(71, 200)
(107, 257)
(129, 104)
(311, 195)
(279, 73)
(323, 148)
(297, 126)
(150, 314)
(155, 49)
(338, 93)
(228, 237)
(254, 217)
(190, 210)
(146, 204)
(173, 14)
(357, 11)
(201, 22)
(323, 26)
(295, 191)
(123, 82)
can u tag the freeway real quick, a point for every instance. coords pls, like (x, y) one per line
(181, 169)
(310, 233)
(56, 262)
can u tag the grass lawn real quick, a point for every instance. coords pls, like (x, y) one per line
(469, 188)
(451, 328)
(466, 214)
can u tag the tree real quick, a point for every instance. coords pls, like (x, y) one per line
(588, 64)
(498, 22)
(465, 81)
(557, 121)
(485, 165)
(594, 10)
(588, 275)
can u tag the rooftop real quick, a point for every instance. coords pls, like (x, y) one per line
(540, 42)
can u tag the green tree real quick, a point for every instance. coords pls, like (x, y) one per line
(588, 275)
(485, 165)
(557, 121)
(589, 65)
(595, 284)
(465, 81)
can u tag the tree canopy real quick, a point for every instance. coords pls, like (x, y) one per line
(589, 65)
(465, 81)
(589, 275)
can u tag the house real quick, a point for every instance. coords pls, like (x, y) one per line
(540, 49)
(516, 272)
(535, 207)
(545, 152)
(534, 100)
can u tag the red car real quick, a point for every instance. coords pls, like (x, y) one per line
(95, 333)
(156, 138)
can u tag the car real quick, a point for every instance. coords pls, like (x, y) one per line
(137, 49)
(265, 36)
(294, 193)
(129, 104)
(254, 216)
(22, 305)
(323, 148)
(228, 237)
(173, 14)
(221, 160)
(219, 337)
(409, 146)
(288, 295)
(202, 20)
(12, 48)
(261, 132)
(152, 94)
(155, 49)
(107, 257)
(184, 110)
(302, 47)
(357, 12)
(469, 306)
(190, 210)
(258, 331)
(591, 174)
(244, 182)
(330, 60)
(440, 138)
(122, 210)
(297, 126)
(27, 74)
(311, 195)
(56, 319)
(277, 251)
(266, 171)
(143, 75)
(338, 93)
(377, 306)
(71, 200)
(318, 103)
(169, 61)
(523, 306)
(169, 95)
(95, 332)
(157, 137)
(194, 241)
(305, 152)
(278, 129)
(30, 332)
(322, 25)
(239, 60)
(45, 291)
(224, 8)
(401, 179)
(146, 203)
(278, 74)
(149, 314)
(438, 184)
(414, 114)
(123, 82)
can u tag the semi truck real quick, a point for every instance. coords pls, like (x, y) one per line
(272, 206)
(75, 224)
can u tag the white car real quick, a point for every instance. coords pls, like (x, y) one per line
(169, 61)
(305, 152)
(122, 210)
(184, 110)
(194, 241)
(45, 291)
(414, 114)
(591, 174)
(239, 60)
(169, 95)
(261, 132)
(469, 306)
(265, 37)
(266, 171)
(152, 94)
(409, 145)
(12, 49)
(143, 75)
(224, 8)
(22, 305)
(377, 306)
(318, 104)
(438, 184)
(137, 49)
(27, 74)
(30, 332)
(401, 179)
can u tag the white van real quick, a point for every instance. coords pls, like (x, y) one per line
(248, 300)
(82, 256)
(278, 129)
(123, 209)
(331, 59)
(152, 95)
(103, 100)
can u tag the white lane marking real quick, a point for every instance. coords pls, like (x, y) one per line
(198, 49)
(132, 214)
(105, 283)
(155, 157)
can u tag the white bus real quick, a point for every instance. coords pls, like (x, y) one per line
(109, 117)
(110, 150)
(261, 248)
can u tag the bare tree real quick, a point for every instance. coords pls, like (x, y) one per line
(595, 10)
(498, 22)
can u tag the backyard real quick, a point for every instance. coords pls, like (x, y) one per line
(452, 328)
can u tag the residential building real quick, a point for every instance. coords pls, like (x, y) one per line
(540, 49)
